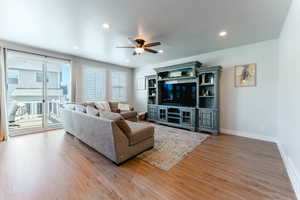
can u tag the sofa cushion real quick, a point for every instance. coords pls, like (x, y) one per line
(80, 108)
(110, 115)
(91, 110)
(139, 132)
(119, 120)
(92, 104)
(102, 106)
(70, 106)
(114, 106)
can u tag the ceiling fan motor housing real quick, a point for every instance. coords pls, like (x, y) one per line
(140, 43)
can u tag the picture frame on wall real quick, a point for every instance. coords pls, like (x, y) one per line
(141, 83)
(245, 75)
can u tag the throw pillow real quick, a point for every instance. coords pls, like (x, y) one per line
(124, 107)
(88, 104)
(114, 106)
(102, 106)
(90, 110)
(119, 120)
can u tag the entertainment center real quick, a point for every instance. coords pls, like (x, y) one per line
(185, 96)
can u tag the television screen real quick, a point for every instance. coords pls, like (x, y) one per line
(181, 94)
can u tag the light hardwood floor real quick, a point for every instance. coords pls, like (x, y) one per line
(55, 165)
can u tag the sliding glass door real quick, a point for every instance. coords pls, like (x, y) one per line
(58, 91)
(37, 89)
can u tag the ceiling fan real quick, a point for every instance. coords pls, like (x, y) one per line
(141, 46)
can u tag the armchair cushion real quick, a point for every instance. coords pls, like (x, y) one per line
(118, 119)
(130, 115)
(139, 132)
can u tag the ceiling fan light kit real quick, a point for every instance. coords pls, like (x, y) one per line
(139, 51)
(140, 46)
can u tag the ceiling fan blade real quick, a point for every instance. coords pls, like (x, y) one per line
(150, 50)
(153, 44)
(126, 47)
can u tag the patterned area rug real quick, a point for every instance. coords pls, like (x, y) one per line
(171, 145)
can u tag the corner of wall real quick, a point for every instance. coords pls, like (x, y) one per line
(291, 169)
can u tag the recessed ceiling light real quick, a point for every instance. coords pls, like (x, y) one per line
(161, 51)
(106, 26)
(76, 47)
(222, 33)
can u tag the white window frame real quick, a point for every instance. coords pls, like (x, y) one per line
(37, 77)
(119, 86)
(98, 80)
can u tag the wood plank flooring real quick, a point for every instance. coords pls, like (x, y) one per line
(56, 166)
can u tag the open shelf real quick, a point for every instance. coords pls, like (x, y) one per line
(206, 84)
(172, 113)
(151, 87)
(171, 117)
(207, 90)
(179, 73)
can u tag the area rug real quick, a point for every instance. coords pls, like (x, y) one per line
(171, 145)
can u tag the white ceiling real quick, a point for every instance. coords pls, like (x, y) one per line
(185, 27)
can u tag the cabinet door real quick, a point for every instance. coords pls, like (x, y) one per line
(208, 119)
(152, 113)
(186, 117)
(162, 114)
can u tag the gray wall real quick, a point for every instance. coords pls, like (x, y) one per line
(289, 95)
(248, 111)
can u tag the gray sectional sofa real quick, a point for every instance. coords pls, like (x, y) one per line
(108, 133)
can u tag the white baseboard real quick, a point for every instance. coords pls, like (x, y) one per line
(249, 135)
(291, 169)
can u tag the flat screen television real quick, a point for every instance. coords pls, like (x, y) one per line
(180, 94)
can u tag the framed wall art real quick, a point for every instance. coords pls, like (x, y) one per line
(245, 75)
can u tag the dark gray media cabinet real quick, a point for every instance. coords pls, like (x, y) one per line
(196, 88)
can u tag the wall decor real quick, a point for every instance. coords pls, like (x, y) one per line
(245, 75)
(141, 83)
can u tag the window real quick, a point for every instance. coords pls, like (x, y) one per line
(39, 108)
(13, 77)
(28, 108)
(94, 84)
(39, 76)
(119, 86)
